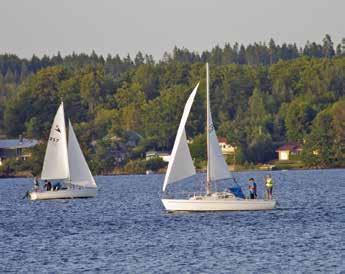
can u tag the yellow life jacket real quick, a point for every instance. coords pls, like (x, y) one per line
(269, 182)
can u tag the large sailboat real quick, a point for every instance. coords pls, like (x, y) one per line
(65, 163)
(181, 167)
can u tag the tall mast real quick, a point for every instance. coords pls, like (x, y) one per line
(208, 130)
(69, 172)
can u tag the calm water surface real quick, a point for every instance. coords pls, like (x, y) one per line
(125, 230)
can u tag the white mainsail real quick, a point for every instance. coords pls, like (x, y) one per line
(181, 163)
(79, 170)
(55, 165)
(217, 169)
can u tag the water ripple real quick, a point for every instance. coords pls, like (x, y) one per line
(126, 230)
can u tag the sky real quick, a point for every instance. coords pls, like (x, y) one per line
(155, 26)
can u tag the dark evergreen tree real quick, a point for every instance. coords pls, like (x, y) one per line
(327, 47)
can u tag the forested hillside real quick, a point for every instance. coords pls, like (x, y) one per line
(261, 97)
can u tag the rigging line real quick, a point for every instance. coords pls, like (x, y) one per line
(234, 179)
(231, 178)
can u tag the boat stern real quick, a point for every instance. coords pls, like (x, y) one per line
(32, 195)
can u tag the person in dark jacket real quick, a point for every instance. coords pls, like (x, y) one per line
(47, 185)
(252, 189)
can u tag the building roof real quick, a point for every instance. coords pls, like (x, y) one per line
(289, 147)
(222, 140)
(17, 143)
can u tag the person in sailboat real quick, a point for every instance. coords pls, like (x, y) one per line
(47, 185)
(269, 186)
(36, 184)
(252, 189)
(57, 186)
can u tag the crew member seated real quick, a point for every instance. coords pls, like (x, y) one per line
(47, 185)
(57, 186)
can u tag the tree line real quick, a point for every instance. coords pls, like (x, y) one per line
(261, 97)
(15, 69)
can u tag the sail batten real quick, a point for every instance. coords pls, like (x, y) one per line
(181, 164)
(79, 169)
(55, 165)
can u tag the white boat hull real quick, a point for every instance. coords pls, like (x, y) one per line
(217, 204)
(63, 194)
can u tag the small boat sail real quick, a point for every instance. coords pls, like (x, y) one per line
(65, 163)
(181, 167)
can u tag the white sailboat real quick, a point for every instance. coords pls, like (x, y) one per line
(181, 167)
(66, 163)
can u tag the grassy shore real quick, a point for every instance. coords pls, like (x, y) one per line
(274, 165)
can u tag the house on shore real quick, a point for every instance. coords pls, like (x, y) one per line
(286, 151)
(16, 148)
(227, 149)
(165, 156)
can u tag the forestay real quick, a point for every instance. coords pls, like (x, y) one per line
(55, 165)
(181, 163)
(80, 172)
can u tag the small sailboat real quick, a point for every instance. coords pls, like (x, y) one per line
(181, 167)
(65, 163)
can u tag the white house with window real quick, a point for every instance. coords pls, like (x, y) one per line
(226, 148)
(165, 156)
(16, 148)
(286, 151)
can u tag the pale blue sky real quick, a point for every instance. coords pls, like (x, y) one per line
(155, 26)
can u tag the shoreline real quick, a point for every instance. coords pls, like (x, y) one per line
(198, 171)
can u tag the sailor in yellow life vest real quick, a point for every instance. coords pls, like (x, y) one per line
(269, 186)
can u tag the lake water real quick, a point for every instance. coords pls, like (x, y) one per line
(126, 230)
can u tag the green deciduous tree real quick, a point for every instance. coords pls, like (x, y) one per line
(298, 120)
